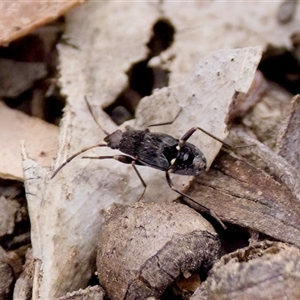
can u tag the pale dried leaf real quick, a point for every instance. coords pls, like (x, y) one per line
(22, 17)
(40, 139)
(205, 26)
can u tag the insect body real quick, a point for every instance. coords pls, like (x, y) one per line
(157, 150)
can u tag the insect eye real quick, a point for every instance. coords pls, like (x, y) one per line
(185, 157)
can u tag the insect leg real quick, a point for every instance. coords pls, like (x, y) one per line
(189, 133)
(202, 207)
(125, 160)
(166, 123)
(73, 156)
(139, 175)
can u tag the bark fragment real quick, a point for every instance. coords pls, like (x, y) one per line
(240, 193)
(263, 271)
(143, 249)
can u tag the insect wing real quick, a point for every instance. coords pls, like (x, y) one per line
(157, 150)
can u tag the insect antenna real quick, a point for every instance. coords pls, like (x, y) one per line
(166, 123)
(192, 130)
(73, 156)
(85, 149)
(94, 118)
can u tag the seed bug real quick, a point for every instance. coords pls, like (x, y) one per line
(156, 150)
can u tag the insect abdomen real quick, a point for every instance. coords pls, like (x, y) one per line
(132, 141)
(127, 142)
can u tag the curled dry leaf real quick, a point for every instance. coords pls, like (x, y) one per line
(21, 17)
(242, 103)
(288, 141)
(144, 248)
(262, 271)
(264, 120)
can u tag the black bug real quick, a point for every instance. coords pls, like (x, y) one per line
(156, 150)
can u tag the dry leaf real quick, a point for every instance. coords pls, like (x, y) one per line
(276, 165)
(288, 139)
(265, 118)
(202, 27)
(243, 103)
(243, 194)
(21, 17)
(40, 139)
